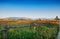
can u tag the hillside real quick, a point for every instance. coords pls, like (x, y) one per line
(16, 20)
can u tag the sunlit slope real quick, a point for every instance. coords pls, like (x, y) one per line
(6, 21)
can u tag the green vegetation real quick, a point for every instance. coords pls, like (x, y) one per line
(41, 31)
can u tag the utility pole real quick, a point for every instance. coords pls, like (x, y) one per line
(59, 25)
(58, 37)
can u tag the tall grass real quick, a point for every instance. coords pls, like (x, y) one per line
(42, 31)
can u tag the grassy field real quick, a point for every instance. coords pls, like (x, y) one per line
(41, 31)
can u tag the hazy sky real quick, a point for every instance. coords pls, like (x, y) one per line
(30, 8)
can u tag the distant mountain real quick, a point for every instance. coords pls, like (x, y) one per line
(17, 18)
(25, 18)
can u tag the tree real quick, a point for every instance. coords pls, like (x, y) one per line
(56, 18)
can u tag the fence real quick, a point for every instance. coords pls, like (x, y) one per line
(6, 28)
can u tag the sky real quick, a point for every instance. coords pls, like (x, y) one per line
(30, 8)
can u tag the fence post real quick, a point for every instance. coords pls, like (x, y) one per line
(4, 34)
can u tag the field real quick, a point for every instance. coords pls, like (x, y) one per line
(38, 31)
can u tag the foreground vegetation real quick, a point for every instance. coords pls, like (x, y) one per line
(39, 31)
